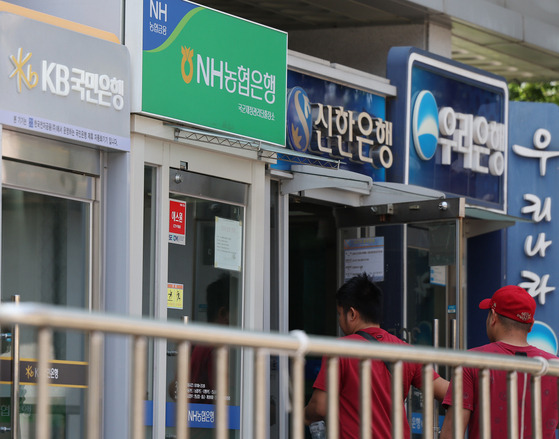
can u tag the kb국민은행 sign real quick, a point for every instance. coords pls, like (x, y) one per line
(214, 70)
(64, 84)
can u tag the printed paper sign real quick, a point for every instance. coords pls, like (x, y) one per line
(364, 255)
(228, 244)
(437, 275)
(175, 297)
(177, 222)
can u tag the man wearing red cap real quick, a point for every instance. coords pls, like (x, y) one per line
(509, 320)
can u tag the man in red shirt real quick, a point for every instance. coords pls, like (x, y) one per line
(510, 319)
(359, 304)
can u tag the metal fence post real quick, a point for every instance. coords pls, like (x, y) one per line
(260, 417)
(183, 377)
(365, 398)
(15, 376)
(428, 406)
(397, 400)
(332, 386)
(221, 414)
(512, 406)
(298, 397)
(94, 384)
(139, 387)
(485, 405)
(44, 344)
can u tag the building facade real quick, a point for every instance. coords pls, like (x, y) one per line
(177, 160)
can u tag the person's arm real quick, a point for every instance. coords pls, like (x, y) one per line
(448, 424)
(440, 387)
(316, 408)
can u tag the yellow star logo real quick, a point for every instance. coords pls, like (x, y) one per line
(29, 371)
(31, 79)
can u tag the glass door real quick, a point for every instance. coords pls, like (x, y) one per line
(432, 293)
(419, 265)
(205, 284)
(431, 282)
(46, 257)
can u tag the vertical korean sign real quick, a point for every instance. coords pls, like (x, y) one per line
(214, 70)
(532, 188)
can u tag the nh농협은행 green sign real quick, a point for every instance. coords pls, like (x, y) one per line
(214, 70)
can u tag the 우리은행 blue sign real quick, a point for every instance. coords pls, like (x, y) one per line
(451, 123)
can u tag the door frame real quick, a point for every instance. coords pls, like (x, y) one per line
(55, 169)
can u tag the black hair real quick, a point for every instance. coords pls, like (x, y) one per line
(512, 324)
(361, 293)
(217, 296)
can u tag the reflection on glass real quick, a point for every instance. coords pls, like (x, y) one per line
(202, 371)
(431, 261)
(45, 258)
(211, 295)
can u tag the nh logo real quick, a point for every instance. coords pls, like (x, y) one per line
(156, 10)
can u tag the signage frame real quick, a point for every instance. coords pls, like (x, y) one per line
(191, 74)
(81, 94)
(401, 113)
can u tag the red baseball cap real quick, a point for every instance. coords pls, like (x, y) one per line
(513, 302)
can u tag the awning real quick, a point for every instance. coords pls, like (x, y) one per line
(367, 203)
(476, 220)
(351, 188)
(479, 221)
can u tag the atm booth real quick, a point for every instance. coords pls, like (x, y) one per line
(416, 164)
(64, 141)
(403, 178)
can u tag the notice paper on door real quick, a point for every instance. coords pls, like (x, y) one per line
(364, 255)
(228, 244)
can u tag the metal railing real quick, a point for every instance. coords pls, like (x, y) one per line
(296, 345)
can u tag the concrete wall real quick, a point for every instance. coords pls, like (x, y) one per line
(534, 22)
(544, 10)
(366, 48)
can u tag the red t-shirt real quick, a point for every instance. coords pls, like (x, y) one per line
(381, 400)
(498, 395)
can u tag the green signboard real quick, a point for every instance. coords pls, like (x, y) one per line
(213, 70)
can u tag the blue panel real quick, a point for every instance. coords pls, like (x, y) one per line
(351, 99)
(535, 178)
(148, 413)
(486, 269)
(161, 19)
(417, 422)
(471, 92)
(203, 416)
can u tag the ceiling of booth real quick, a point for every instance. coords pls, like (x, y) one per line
(488, 51)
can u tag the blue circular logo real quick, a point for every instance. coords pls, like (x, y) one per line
(299, 119)
(425, 125)
(543, 337)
